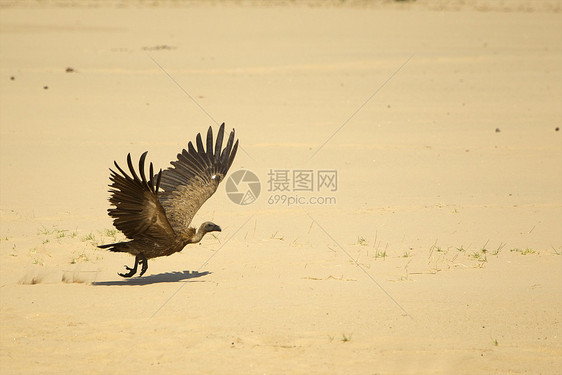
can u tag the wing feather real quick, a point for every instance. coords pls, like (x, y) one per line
(209, 154)
(218, 146)
(194, 177)
(232, 154)
(137, 212)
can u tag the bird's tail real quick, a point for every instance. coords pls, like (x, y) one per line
(120, 247)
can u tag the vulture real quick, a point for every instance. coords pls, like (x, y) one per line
(155, 213)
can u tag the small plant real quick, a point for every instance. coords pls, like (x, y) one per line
(406, 254)
(380, 254)
(112, 233)
(55, 233)
(60, 233)
(479, 256)
(484, 250)
(345, 338)
(495, 341)
(90, 238)
(523, 252)
(38, 261)
(406, 277)
(81, 258)
(361, 241)
(44, 231)
(14, 252)
(497, 251)
(275, 237)
(475, 255)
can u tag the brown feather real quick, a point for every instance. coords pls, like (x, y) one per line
(137, 212)
(190, 182)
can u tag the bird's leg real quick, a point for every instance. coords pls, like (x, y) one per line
(133, 270)
(144, 262)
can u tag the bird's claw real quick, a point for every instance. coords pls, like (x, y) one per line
(139, 259)
(131, 272)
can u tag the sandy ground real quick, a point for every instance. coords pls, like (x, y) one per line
(441, 253)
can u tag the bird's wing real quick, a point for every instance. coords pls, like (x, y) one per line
(195, 176)
(137, 212)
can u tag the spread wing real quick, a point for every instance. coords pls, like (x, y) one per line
(137, 212)
(194, 177)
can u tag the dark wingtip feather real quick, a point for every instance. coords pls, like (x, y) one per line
(232, 155)
(218, 143)
(158, 182)
(141, 168)
(210, 142)
(151, 172)
(226, 152)
(125, 175)
(200, 148)
(131, 168)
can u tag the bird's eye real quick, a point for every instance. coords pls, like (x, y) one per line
(213, 176)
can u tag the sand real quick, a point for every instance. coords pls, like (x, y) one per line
(440, 251)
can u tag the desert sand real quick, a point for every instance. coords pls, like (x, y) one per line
(439, 251)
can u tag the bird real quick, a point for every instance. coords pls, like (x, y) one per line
(155, 213)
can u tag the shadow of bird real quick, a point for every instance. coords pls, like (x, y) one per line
(167, 277)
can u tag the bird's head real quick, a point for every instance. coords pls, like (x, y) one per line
(204, 228)
(208, 226)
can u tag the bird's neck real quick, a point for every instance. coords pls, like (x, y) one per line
(198, 236)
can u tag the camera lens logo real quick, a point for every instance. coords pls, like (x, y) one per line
(243, 187)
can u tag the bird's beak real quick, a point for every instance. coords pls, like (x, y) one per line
(217, 228)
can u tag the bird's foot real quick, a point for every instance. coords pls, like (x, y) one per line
(131, 272)
(139, 259)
